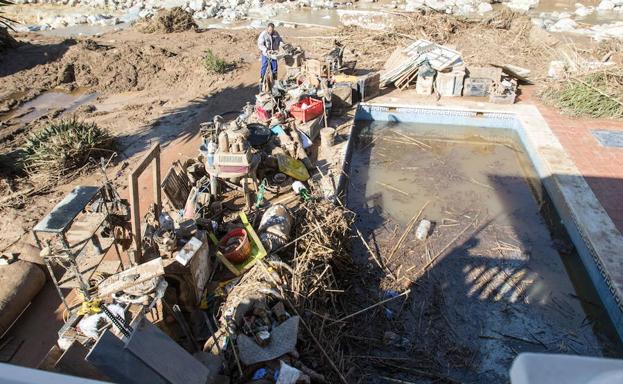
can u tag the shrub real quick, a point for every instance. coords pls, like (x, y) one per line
(215, 64)
(64, 146)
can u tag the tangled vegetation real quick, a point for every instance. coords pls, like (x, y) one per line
(6, 40)
(597, 94)
(170, 20)
(64, 146)
(214, 64)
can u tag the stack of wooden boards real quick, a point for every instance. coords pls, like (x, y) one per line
(402, 66)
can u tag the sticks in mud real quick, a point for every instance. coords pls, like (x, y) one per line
(374, 306)
(454, 239)
(406, 232)
(374, 257)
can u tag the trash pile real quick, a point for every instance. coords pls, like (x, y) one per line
(440, 70)
(242, 245)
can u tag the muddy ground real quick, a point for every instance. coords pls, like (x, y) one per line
(145, 87)
(148, 88)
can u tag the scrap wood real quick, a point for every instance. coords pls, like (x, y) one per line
(393, 188)
(412, 139)
(131, 277)
(374, 257)
(375, 305)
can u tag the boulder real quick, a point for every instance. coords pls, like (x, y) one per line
(564, 25)
(484, 8)
(606, 5)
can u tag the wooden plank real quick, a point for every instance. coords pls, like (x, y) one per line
(112, 359)
(159, 352)
(72, 362)
(131, 277)
(136, 218)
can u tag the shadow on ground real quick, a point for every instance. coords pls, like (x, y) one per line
(26, 56)
(482, 301)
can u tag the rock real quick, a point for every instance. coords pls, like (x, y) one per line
(522, 5)
(606, 5)
(196, 5)
(413, 5)
(484, 8)
(583, 11)
(564, 25)
(58, 22)
(438, 5)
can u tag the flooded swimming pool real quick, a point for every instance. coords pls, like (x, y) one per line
(492, 280)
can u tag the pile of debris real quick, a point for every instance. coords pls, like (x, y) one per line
(226, 277)
(438, 69)
(170, 21)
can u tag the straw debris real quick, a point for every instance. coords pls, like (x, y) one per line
(169, 21)
(597, 94)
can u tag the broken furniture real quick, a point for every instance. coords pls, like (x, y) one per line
(151, 157)
(70, 239)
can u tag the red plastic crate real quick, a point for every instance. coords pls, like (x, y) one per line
(314, 110)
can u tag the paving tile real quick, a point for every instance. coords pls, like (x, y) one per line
(601, 167)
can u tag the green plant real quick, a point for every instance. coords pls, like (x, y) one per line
(597, 94)
(64, 146)
(215, 64)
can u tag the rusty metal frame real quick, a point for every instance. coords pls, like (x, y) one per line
(151, 157)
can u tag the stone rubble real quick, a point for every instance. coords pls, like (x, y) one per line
(113, 12)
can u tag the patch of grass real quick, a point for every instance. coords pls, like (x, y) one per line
(596, 94)
(214, 64)
(64, 146)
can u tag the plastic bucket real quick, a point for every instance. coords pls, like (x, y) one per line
(241, 252)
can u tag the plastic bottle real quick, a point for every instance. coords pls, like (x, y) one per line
(300, 189)
(211, 151)
(421, 233)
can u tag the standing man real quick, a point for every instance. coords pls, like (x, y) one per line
(268, 43)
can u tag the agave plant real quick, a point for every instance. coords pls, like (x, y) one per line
(64, 146)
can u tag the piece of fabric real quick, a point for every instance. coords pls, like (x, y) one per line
(273, 67)
(267, 42)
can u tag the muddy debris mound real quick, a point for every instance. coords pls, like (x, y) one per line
(170, 21)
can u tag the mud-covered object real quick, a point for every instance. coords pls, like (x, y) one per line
(20, 282)
(275, 227)
(283, 340)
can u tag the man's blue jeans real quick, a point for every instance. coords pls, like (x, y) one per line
(273, 66)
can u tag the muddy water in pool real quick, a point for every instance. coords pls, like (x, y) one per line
(503, 282)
